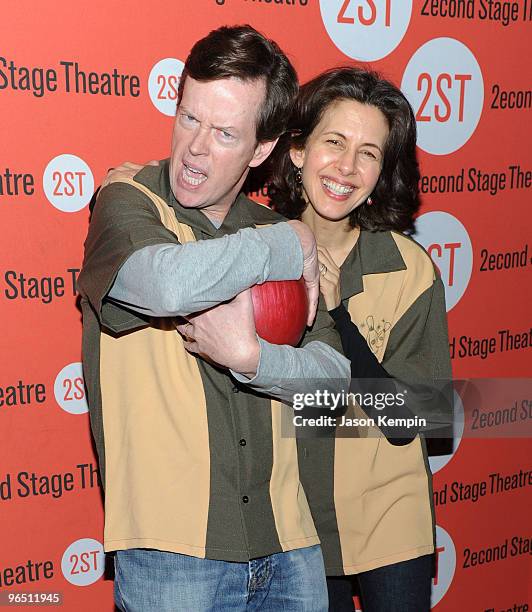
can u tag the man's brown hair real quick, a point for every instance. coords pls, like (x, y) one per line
(243, 53)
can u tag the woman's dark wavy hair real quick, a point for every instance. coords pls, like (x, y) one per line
(396, 195)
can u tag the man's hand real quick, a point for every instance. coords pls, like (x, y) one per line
(311, 274)
(126, 170)
(329, 279)
(225, 334)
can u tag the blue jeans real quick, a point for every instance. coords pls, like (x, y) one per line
(156, 581)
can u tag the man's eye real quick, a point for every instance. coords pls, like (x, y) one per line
(334, 142)
(226, 135)
(188, 118)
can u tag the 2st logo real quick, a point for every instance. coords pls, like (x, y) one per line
(366, 30)
(364, 19)
(447, 242)
(68, 183)
(443, 82)
(69, 389)
(83, 562)
(169, 87)
(163, 85)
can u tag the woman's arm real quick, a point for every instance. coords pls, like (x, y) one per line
(368, 376)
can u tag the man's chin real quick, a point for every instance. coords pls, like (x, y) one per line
(188, 199)
(186, 204)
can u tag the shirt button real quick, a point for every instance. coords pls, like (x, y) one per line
(236, 389)
(242, 442)
(245, 499)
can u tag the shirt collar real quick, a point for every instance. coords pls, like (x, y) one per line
(373, 253)
(243, 213)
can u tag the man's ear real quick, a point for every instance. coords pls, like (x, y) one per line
(297, 156)
(262, 150)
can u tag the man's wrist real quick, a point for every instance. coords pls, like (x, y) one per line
(251, 360)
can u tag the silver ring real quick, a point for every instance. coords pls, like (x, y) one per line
(323, 269)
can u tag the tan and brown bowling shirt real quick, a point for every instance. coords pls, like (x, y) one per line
(372, 501)
(192, 461)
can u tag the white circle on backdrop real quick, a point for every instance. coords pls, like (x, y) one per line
(445, 566)
(443, 83)
(447, 242)
(437, 462)
(365, 30)
(69, 389)
(83, 562)
(163, 84)
(68, 183)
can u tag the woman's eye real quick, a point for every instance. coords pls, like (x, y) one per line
(334, 142)
(369, 154)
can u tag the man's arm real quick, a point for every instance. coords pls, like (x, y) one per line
(284, 370)
(131, 257)
(226, 334)
(169, 280)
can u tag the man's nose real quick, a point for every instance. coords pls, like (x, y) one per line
(199, 145)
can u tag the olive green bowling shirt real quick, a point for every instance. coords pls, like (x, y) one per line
(372, 501)
(193, 462)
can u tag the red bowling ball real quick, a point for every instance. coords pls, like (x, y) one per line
(280, 309)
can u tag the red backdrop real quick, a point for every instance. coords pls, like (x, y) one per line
(463, 65)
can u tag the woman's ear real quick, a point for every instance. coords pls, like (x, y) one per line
(297, 156)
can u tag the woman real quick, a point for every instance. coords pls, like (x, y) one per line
(348, 169)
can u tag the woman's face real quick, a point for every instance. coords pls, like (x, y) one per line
(342, 158)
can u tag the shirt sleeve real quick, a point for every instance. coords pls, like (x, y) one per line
(417, 354)
(123, 221)
(317, 364)
(169, 280)
(418, 347)
(369, 377)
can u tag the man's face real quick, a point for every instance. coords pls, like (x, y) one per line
(214, 142)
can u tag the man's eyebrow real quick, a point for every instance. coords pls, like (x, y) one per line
(225, 128)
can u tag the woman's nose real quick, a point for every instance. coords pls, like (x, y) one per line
(346, 163)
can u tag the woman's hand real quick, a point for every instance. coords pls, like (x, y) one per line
(329, 279)
(127, 170)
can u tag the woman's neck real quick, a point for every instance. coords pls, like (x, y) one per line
(338, 237)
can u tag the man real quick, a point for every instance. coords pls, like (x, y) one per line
(203, 502)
